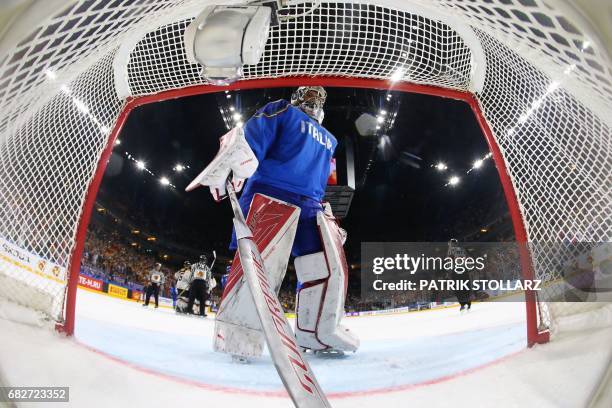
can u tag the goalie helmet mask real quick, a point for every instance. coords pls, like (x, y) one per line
(203, 259)
(310, 99)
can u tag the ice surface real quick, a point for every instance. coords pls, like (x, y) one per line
(409, 349)
(127, 355)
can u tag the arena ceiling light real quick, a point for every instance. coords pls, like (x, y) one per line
(440, 166)
(80, 105)
(225, 38)
(453, 181)
(51, 74)
(398, 74)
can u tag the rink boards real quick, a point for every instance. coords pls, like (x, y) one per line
(31, 280)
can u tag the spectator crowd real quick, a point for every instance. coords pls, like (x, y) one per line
(108, 256)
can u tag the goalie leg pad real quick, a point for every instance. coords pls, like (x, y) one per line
(237, 326)
(320, 300)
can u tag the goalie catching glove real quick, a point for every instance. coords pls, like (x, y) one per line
(235, 156)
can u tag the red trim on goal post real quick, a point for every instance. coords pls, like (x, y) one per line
(520, 233)
(340, 82)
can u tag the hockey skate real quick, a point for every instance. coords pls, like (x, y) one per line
(330, 353)
(240, 359)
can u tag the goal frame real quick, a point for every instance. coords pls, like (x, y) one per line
(534, 335)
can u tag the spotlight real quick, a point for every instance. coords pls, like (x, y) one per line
(140, 164)
(397, 75)
(585, 45)
(453, 181)
(51, 74)
(164, 181)
(441, 166)
(80, 105)
(477, 164)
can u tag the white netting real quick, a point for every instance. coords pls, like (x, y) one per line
(339, 39)
(543, 83)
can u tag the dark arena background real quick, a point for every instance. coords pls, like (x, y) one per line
(401, 189)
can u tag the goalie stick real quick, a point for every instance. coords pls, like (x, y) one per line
(213, 261)
(293, 369)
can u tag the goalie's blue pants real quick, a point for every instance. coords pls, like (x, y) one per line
(307, 237)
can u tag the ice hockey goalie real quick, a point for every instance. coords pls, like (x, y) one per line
(285, 153)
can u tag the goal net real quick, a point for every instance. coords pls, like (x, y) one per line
(533, 70)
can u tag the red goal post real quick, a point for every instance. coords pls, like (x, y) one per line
(533, 334)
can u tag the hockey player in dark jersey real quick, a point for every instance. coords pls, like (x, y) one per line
(286, 154)
(200, 275)
(156, 280)
(463, 295)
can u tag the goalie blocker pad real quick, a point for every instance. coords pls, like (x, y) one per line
(237, 327)
(320, 300)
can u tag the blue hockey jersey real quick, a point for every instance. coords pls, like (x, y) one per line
(294, 150)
